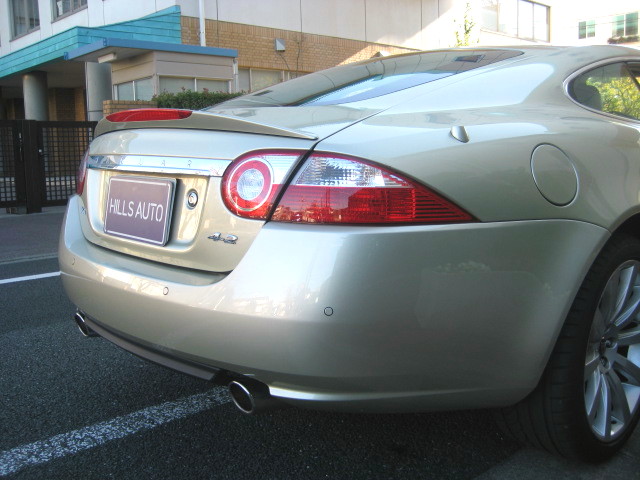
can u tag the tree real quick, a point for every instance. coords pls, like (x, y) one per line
(619, 95)
(463, 35)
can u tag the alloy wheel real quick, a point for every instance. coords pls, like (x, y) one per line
(612, 363)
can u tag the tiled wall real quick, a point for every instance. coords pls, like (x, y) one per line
(304, 52)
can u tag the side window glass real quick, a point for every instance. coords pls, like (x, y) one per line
(612, 89)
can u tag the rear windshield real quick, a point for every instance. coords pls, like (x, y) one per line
(369, 78)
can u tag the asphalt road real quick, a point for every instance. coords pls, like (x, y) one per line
(75, 407)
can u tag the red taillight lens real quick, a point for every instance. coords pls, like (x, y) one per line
(252, 182)
(149, 115)
(82, 173)
(334, 189)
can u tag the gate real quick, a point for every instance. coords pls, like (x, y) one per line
(61, 146)
(39, 161)
(12, 182)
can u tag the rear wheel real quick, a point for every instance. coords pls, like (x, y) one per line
(588, 400)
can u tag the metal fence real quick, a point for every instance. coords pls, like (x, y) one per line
(39, 161)
(62, 146)
(8, 165)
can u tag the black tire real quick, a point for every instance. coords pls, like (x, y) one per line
(554, 416)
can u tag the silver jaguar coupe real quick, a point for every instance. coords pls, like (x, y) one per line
(447, 229)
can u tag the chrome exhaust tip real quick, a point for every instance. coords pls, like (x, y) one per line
(82, 325)
(252, 397)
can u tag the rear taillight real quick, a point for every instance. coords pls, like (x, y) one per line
(252, 182)
(82, 173)
(335, 189)
(149, 115)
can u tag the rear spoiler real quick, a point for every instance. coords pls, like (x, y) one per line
(199, 120)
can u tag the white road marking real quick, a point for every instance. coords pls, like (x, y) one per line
(29, 277)
(85, 438)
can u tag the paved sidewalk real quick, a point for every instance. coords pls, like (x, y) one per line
(30, 236)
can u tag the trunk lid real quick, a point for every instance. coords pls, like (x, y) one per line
(186, 159)
(310, 123)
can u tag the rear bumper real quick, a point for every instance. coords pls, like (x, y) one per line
(354, 318)
(150, 352)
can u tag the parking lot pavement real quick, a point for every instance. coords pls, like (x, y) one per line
(531, 464)
(75, 407)
(33, 236)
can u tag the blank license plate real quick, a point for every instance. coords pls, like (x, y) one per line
(139, 208)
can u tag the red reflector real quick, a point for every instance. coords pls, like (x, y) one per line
(336, 189)
(82, 174)
(149, 115)
(354, 205)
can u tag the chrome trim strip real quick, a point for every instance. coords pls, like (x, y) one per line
(208, 167)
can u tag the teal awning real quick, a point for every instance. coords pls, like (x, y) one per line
(160, 27)
(128, 48)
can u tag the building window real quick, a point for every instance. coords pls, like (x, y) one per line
(244, 80)
(265, 78)
(180, 84)
(212, 85)
(518, 18)
(625, 25)
(252, 79)
(62, 8)
(141, 89)
(587, 29)
(25, 16)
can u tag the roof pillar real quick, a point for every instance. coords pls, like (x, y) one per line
(98, 87)
(34, 90)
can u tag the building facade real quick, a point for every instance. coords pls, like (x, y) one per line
(597, 22)
(62, 59)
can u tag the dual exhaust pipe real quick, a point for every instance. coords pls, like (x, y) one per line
(249, 396)
(252, 397)
(79, 318)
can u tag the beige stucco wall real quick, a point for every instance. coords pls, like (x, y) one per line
(133, 68)
(172, 64)
(192, 65)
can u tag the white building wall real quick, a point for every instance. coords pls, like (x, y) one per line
(114, 11)
(568, 14)
(335, 18)
(5, 28)
(48, 28)
(438, 23)
(284, 14)
(407, 23)
(394, 22)
(190, 8)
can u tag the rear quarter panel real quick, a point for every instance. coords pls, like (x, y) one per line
(491, 176)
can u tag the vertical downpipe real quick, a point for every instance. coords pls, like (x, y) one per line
(203, 36)
(236, 76)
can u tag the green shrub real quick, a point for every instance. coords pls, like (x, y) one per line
(192, 100)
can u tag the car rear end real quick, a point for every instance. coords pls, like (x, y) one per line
(253, 243)
(215, 264)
